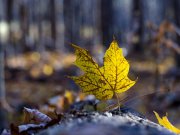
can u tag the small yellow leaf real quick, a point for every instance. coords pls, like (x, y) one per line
(69, 95)
(165, 123)
(81, 96)
(105, 81)
(47, 69)
(35, 56)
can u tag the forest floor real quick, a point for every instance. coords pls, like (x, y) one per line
(35, 83)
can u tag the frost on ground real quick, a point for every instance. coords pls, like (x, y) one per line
(123, 122)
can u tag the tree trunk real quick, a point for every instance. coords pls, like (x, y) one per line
(117, 20)
(177, 15)
(82, 22)
(59, 25)
(3, 114)
(151, 11)
(106, 23)
(2, 83)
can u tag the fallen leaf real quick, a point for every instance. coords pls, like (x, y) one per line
(69, 95)
(165, 123)
(37, 116)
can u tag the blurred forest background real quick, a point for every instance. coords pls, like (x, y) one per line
(35, 55)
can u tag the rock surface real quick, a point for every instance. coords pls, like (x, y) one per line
(117, 122)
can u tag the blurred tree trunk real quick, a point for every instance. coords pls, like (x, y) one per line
(24, 20)
(122, 19)
(68, 21)
(3, 103)
(2, 83)
(177, 18)
(39, 6)
(58, 28)
(3, 17)
(3, 38)
(117, 18)
(82, 22)
(106, 23)
(152, 11)
(9, 10)
(53, 20)
(9, 49)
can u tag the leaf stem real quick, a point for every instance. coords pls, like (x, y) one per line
(118, 101)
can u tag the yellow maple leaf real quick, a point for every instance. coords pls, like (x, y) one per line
(165, 123)
(105, 81)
